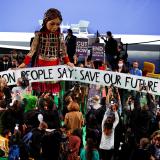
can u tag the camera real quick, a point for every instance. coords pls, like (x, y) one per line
(144, 87)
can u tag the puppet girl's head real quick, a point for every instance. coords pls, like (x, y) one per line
(52, 20)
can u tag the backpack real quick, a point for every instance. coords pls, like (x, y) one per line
(14, 152)
(27, 139)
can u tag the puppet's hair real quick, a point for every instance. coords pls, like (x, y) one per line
(51, 14)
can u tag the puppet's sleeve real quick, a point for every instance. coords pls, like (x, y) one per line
(33, 49)
(63, 50)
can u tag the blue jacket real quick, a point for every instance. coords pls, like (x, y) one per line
(136, 72)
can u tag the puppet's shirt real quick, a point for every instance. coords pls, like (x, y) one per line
(50, 49)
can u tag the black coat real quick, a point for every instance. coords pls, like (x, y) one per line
(4, 67)
(111, 47)
(71, 46)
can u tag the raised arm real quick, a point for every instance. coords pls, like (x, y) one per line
(105, 117)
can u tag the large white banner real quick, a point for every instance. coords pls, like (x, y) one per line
(85, 75)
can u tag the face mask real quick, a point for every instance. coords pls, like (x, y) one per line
(120, 64)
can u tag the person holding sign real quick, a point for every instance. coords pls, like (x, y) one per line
(49, 45)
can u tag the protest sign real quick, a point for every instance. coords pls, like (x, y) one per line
(85, 75)
(82, 47)
(98, 52)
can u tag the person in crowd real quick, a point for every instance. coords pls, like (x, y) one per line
(93, 122)
(49, 53)
(74, 118)
(122, 53)
(90, 152)
(105, 67)
(93, 116)
(142, 120)
(100, 112)
(129, 104)
(154, 148)
(67, 100)
(14, 55)
(128, 111)
(52, 145)
(88, 62)
(74, 142)
(94, 89)
(111, 49)
(51, 115)
(12, 116)
(5, 89)
(70, 41)
(157, 120)
(135, 69)
(14, 64)
(37, 135)
(76, 93)
(5, 64)
(17, 148)
(45, 101)
(153, 137)
(121, 68)
(79, 93)
(21, 89)
(142, 152)
(3, 105)
(114, 96)
(96, 102)
(109, 123)
(4, 142)
(30, 116)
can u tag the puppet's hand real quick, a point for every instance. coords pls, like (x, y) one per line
(22, 65)
(70, 64)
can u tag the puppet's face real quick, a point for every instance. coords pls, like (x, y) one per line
(53, 25)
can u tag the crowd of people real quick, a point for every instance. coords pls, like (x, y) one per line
(88, 122)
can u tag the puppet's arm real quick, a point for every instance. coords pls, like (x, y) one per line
(33, 49)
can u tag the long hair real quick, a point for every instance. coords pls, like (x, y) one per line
(90, 148)
(50, 14)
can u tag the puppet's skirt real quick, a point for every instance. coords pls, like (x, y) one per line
(52, 87)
